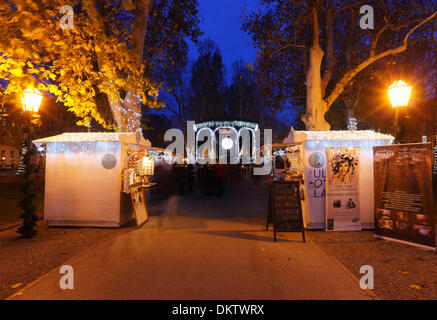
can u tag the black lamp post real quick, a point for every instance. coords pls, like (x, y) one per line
(399, 93)
(31, 101)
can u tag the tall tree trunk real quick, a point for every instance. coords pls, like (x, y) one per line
(127, 112)
(132, 101)
(316, 107)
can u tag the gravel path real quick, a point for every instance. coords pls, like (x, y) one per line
(24, 260)
(401, 271)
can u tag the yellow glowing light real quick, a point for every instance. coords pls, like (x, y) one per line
(148, 166)
(399, 93)
(31, 100)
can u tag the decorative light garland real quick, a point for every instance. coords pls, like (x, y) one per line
(83, 137)
(341, 135)
(83, 147)
(352, 124)
(232, 123)
(132, 118)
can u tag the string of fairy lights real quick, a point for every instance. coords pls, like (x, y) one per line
(84, 142)
(352, 124)
(230, 123)
(130, 117)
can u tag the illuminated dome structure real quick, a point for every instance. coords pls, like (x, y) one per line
(228, 136)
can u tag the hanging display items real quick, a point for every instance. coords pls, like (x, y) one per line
(404, 204)
(342, 189)
(294, 163)
(287, 161)
(160, 156)
(136, 179)
(148, 166)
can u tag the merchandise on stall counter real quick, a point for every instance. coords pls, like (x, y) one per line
(128, 179)
(294, 162)
(148, 166)
(140, 168)
(287, 162)
(145, 166)
(137, 179)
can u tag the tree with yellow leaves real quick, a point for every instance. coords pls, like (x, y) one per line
(94, 67)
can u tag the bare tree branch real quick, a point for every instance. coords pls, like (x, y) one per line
(290, 45)
(351, 5)
(385, 28)
(348, 76)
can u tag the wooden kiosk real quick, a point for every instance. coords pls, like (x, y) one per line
(84, 173)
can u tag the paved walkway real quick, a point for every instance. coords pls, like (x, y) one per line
(203, 249)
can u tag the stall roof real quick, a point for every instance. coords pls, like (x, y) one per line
(299, 136)
(126, 137)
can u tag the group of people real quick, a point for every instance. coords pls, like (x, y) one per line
(206, 179)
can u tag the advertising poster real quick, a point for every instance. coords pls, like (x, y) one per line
(342, 189)
(139, 204)
(404, 204)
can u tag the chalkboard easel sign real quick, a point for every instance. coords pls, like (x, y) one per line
(285, 211)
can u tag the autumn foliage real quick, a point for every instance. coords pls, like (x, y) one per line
(93, 59)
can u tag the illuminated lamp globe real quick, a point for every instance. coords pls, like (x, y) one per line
(227, 143)
(31, 100)
(399, 93)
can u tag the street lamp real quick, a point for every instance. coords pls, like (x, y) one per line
(399, 94)
(31, 101)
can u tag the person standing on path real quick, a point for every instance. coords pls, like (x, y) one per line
(220, 177)
(204, 179)
(198, 181)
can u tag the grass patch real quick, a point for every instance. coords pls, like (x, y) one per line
(10, 195)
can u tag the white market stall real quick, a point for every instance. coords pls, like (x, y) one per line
(314, 173)
(84, 171)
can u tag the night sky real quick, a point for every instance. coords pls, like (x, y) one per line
(222, 23)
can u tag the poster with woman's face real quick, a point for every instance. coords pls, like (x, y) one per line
(342, 194)
(343, 166)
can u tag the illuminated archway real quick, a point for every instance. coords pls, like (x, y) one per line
(242, 133)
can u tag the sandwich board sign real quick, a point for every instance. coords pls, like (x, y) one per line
(285, 211)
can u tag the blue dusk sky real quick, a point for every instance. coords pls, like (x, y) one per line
(221, 22)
